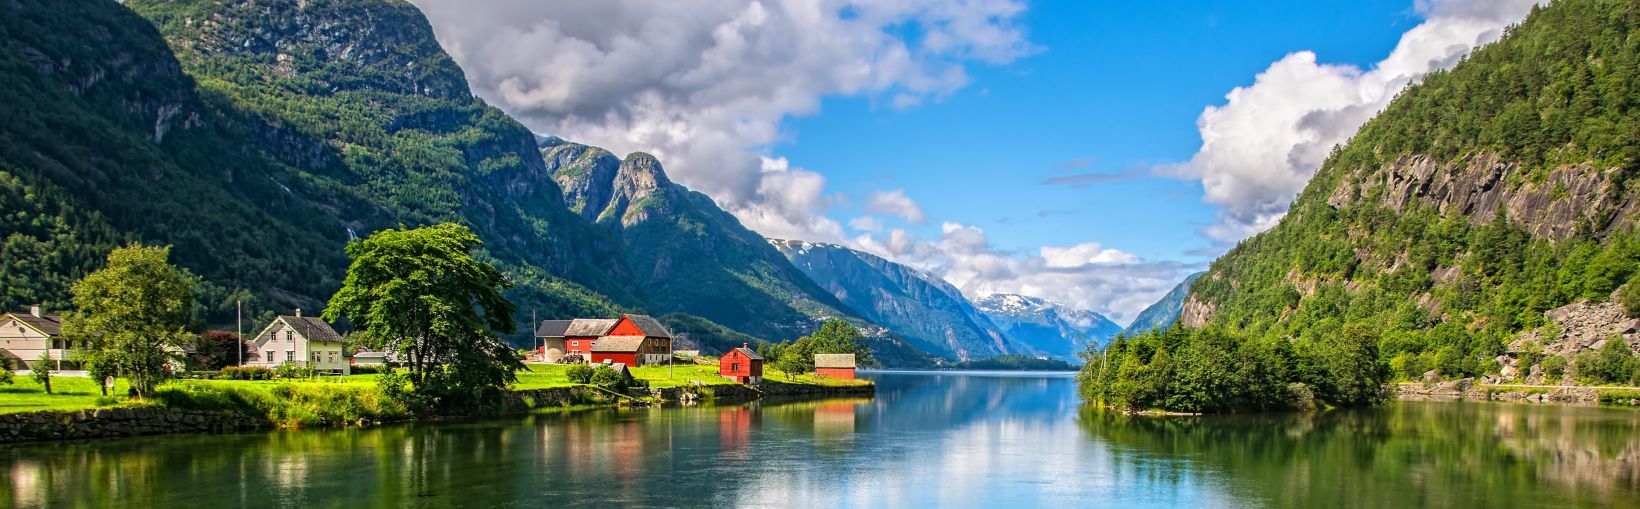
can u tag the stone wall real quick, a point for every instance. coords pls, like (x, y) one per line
(120, 422)
(1468, 389)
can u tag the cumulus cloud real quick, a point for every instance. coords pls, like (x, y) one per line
(1261, 146)
(706, 84)
(1085, 276)
(896, 203)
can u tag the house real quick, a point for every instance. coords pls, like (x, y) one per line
(24, 337)
(835, 365)
(741, 365)
(550, 337)
(635, 340)
(582, 333)
(295, 339)
(371, 358)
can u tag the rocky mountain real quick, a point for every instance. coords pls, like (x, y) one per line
(1165, 312)
(258, 137)
(685, 253)
(1476, 203)
(923, 308)
(1047, 327)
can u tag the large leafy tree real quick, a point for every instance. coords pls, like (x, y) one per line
(134, 312)
(834, 336)
(420, 292)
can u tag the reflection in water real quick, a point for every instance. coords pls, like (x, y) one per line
(953, 440)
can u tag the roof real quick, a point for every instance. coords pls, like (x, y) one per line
(834, 360)
(589, 327)
(618, 344)
(312, 328)
(370, 354)
(650, 326)
(748, 353)
(50, 325)
(552, 328)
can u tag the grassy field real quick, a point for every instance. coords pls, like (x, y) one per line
(68, 393)
(311, 396)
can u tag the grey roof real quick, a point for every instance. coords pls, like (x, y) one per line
(834, 360)
(749, 353)
(650, 326)
(50, 325)
(370, 354)
(312, 328)
(618, 344)
(589, 327)
(552, 328)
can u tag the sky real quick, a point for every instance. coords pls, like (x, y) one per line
(1090, 153)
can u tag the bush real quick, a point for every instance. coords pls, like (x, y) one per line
(1629, 295)
(246, 373)
(579, 373)
(293, 370)
(1408, 366)
(5, 375)
(1612, 364)
(369, 370)
(1554, 368)
(608, 378)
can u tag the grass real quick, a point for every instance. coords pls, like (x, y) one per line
(68, 393)
(775, 375)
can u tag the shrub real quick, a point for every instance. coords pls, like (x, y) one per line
(293, 370)
(608, 378)
(1612, 364)
(369, 370)
(246, 373)
(1554, 368)
(1408, 366)
(5, 375)
(1629, 295)
(579, 373)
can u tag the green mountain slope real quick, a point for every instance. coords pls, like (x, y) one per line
(1165, 312)
(1475, 203)
(922, 308)
(687, 254)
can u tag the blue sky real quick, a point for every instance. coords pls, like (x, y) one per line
(931, 132)
(1119, 84)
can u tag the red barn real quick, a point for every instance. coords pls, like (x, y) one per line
(583, 332)
(742, 365)
(835, 365)
(635, 340)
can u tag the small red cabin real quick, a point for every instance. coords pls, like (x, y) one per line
(742, 365)
(835, 365)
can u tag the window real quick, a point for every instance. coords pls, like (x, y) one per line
(575, 343)
(734, 367)
(269, 356)
(290, 336)
(290, 355)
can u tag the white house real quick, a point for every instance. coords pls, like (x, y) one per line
(300, 340)
(24, 337)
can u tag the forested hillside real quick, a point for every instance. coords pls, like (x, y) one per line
(1444, 230)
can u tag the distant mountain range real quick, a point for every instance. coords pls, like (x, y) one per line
(1047, 327)
(1164, 313)
(924, 308)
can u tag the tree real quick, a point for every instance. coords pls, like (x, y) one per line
(217, 349)
(1613, 363)
(99, 365)
(134, 311)
(833, 336)
(421, 293)
(42, 370)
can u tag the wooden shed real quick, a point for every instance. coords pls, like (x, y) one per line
(741, 365)
(835, 365)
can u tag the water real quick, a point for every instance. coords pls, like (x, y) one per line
(926, 440)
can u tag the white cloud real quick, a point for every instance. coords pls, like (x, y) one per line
(896, 203)
(1261, 147)
(865, 224)
(1085, 276)
(705, 85)
(789, 204)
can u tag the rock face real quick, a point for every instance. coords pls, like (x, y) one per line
(1165, 312)
(919, 306)
(1579, 327)
(1046, 326)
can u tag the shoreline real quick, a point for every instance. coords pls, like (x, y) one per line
(148, 419)
(1466, 389)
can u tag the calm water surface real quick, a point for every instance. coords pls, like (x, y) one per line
(926, 440)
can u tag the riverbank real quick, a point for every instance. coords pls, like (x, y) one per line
(219, 406)
(1468, 389)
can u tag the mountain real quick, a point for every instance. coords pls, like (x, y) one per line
(1473, 216)
(923, 308)
(685, 253)
(1047, 327)
(1164, 313)
(258, 137)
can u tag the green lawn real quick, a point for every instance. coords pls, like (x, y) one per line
(68, 393)
(542, 376)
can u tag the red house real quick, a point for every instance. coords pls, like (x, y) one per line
(742, 365)
(634, 340)
(835, 365)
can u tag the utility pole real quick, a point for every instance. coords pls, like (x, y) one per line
(239, 328)
(535, 341)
